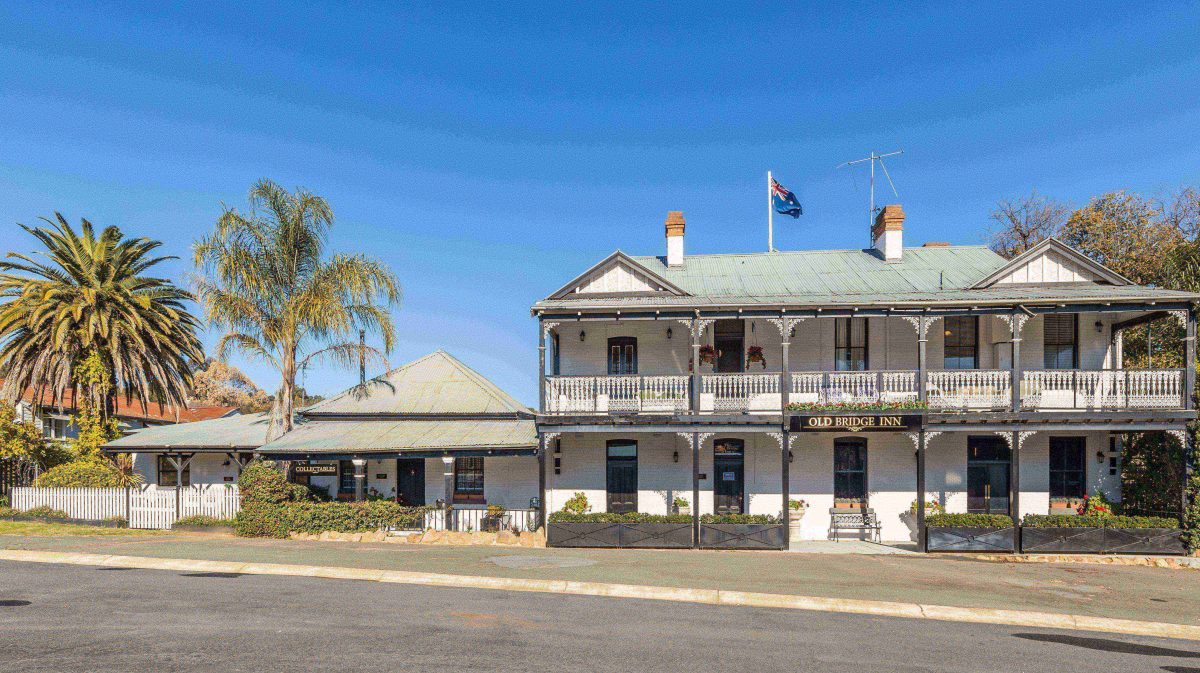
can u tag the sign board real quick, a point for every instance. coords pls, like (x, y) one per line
(317, 469)
(856, 423)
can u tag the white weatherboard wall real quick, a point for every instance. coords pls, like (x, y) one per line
(205, 468)
(509, 481)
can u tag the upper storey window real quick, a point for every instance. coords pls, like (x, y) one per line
(962, 342)
(622, 356)
(849, 344)
(1060, 341)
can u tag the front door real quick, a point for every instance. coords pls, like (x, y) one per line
(729, 338)
(729, 471)
(988, 463)
(622, 481)
(410, 481)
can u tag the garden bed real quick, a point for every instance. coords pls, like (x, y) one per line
(970, 533)
(619, 531)
(1041, 534)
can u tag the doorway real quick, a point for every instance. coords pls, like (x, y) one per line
(988, 463)
(729, 339)
(410, 481)
(622, 477)
(729, 476)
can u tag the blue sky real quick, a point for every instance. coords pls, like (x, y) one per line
(490, 155)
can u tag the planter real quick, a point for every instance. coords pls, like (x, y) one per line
(795, 517)
(490, 524)
(849, 505)
(684, 511)
(1102, 541)
(620, 535)
(969, 539)
(743, 536)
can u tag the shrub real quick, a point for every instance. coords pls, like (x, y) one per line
(1070, 521)
(614, 517)
(82, 473)
(739, 518)
(203, 521)
(1097, 505)
(262, 483)
(932, 506)
(969, 521)
(578, 504)
(45, 512)
(1191, 517)
(119, 521)
(279, 519)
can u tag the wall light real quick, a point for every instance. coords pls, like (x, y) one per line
(582, 335)
(670, 333)
(791, 457)
(1099, 327)
(1099, 456)
(675, 456)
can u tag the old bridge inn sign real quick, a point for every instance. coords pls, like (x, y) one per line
(855, 423)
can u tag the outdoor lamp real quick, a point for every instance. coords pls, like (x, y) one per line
(669, 332)
(1099, 456)
(582, 335)
(675, 456)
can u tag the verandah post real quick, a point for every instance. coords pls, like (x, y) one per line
(543, 446)
(1015, 486)
(695, 489)
(360, 479)
(921, 489)
(1016, 361)
(541, 366)
(922, 328)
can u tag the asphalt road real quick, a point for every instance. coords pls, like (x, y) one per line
(74, 618)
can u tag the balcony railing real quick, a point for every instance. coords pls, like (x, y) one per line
(1053, 389)
(946, 390)
(737, 393)
(617, 394)
(975, 389)
(853, 387)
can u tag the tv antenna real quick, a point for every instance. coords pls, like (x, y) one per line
(873, 158)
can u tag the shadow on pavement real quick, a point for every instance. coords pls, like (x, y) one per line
(1108, 645)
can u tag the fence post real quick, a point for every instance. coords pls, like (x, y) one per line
(129, 506)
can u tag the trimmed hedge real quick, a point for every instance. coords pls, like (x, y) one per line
(739, 518)
(83, 473)
(280, 519)
(1074, 521)
(203, 521)
(613, 517)
(262, 483)
(969, 521)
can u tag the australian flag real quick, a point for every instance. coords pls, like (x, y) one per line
(784, 201)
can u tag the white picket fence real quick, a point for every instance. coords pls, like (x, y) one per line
(143, 507)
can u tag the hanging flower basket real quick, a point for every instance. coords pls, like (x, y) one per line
(708, 355)
(755, 354)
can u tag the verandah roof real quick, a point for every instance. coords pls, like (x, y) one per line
(242, 432)
(405, 436)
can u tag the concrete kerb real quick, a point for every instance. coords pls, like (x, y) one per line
(705, 596)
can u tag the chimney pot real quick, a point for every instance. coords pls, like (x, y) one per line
(675, 226)
(888, 232)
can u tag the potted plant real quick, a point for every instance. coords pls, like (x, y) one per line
(682, 506)
(796, 510)
(1060, 505)
(493, 518)
(755, 354)
(708, 355)
(849, 503)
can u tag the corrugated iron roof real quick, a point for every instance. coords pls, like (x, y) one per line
(244, 432)
(437, 384)
(367, 436)
(933, 275)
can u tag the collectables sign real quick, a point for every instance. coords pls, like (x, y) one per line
(317, 469)
(855, 423)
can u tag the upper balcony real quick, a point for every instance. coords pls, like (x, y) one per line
(963, 364)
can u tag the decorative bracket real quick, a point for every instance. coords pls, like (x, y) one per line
(1181, 436)
(778, 437)
(1024, 435)
(548, 437)
(1180, 315)
(785, 325)
(915, 321)
(1015, 321)
(697, 328)
(548, 327)
(915, 437)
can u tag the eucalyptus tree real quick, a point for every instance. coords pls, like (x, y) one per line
(265, 277)
(85, 301)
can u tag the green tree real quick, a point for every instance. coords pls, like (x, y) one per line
(87, 295)
(265, 279)
(1126, 232)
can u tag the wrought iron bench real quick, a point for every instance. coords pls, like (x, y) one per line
(853, 519)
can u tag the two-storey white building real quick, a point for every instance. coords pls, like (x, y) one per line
(873, 380)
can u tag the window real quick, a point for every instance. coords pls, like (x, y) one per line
(346, 477)
(1066, 467)
(167, 476)
(962, 342)
(1059, 350)
(468, 479)
(989, 462)
(850, 344)
(622, 356)
(850, 469)
(621, 480)
(55, 428)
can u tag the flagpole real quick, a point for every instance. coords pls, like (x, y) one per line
(770, 216)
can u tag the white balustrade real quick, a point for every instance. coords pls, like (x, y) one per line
(618, 394)
(864, 387)
(740, 392)
(969, 389)
(1064, 389)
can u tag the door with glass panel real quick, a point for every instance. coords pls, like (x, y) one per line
(988, 463)
(623, 394)
(729, 478)
(622, 476)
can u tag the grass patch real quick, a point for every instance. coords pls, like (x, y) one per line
(47, 529)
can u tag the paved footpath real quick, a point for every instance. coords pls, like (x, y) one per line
(1115, 592)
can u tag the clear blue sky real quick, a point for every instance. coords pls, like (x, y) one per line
(488, 157)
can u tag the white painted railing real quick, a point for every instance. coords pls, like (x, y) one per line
(616, 394)
(466, 520)
(143, 506)
(853, 387)
(1103, 389)
(969, 389)
(724, 393)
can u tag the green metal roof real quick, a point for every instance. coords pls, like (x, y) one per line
(245, 432)
(927, 275)
(382, 436)
(437, 384)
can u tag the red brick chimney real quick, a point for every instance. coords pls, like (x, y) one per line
(675, 227)
(888, 233)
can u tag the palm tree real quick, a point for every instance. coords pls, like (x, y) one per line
(263, 278)
(86, 297)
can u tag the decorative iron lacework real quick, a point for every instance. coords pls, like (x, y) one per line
(915, 437)
(778, 437)
(1019, 318)
(548, 327)
(915, 321)
(697, 327)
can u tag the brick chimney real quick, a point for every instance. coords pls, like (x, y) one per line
(888, 233)
(675, 225)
